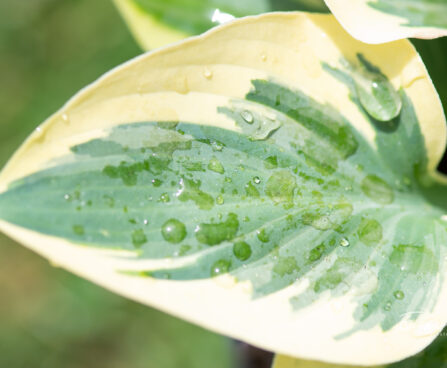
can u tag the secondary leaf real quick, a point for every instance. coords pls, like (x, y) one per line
(378, 21)
(242, 180)
(157, 23)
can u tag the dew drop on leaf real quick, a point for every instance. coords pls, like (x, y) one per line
(220, 267)
(138, 238)
(242, 250)
(398, 294)
(247, 116)
(173, 231)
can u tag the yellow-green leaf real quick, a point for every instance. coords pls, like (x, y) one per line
(378, 21)
(279, 190)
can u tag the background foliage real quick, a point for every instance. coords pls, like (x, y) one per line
(49, 318)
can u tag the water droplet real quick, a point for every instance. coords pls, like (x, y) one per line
(376, 93)
(78, 230)
(173, 231)
(387, 306)
(263, 236)
(65, 118)
(344, 242)
(242, 250)
(256, 180)
(156, 182)
(264, 57)
(208, 74)
(39, 129)
(219, 200)
(217, 146)
(216, 166)
(247, 116)
(67, 197)
(164, 198)
(138, 238)
(398, 294)
(145, 222)
(220, 267)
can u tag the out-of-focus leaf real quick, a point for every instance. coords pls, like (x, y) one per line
(155, 23)
(378, 21)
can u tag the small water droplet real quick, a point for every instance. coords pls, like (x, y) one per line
(247, 116)
(38, 129)
(156, 182)
(387, 306)
(208, 74)
(398, 294)
(219, 199)
(173, 231)
(67, 197)
(164, 198)
(220, 267)
(344, 242)
(65, 118)
(264, 57)
(145, 221)
(138, 238)
(256, 180)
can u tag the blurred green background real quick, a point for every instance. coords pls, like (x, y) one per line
(49, 49)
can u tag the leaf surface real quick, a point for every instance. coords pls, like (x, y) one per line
(157, 23)
(279, 190)
(378, 21)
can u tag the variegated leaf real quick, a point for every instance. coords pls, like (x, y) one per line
(378, 21)
(272, 180)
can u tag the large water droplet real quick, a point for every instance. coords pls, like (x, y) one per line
(376, 93)
(173, 231)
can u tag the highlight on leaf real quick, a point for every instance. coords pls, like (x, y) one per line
(279, 190)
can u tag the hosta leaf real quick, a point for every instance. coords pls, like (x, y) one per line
(280, 190)
(156, 23)
(434, 356)
(377, 21)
